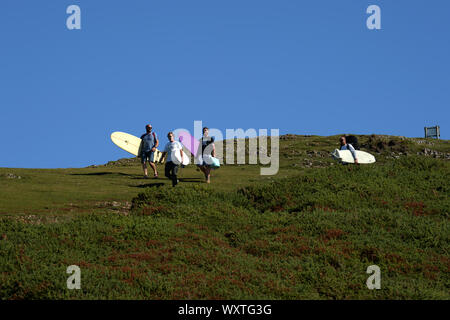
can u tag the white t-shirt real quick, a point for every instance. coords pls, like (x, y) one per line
(171, 148)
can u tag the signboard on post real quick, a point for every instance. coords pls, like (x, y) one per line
(432, 132)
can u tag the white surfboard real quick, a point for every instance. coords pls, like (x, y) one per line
(213, 162)
(345, 156)
(131, 144)
(177, 158)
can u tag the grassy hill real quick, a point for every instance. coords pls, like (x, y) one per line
(310, 232)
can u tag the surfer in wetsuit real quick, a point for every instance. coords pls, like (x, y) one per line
(348, 146)
(208, 149)
(149, 143)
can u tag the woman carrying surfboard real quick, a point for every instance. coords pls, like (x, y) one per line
(204, 154)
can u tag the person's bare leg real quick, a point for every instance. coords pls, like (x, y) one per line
(202, 168)
(144, 166)
(208, 174)
(153, 165)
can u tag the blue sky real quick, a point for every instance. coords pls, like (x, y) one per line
(305, 67)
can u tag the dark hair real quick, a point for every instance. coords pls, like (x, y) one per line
(170, 133)
(205, 128)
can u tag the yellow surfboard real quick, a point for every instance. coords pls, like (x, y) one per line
(132, 144)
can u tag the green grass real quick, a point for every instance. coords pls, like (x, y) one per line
(307, 233)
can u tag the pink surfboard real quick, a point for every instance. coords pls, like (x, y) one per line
(188, 141)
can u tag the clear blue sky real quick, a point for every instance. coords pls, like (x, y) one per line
(305, 67)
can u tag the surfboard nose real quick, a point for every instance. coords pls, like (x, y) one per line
(335, 154)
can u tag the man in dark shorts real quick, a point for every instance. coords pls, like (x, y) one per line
(149, 143)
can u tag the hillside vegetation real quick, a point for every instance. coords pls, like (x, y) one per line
(310, 232)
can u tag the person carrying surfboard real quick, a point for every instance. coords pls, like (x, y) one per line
(171, 149)
(149, 144)
(348, 146)
(207, 150)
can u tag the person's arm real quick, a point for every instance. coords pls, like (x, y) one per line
(353, 151)
(164, 153)
(156, 142)
(213, 153)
